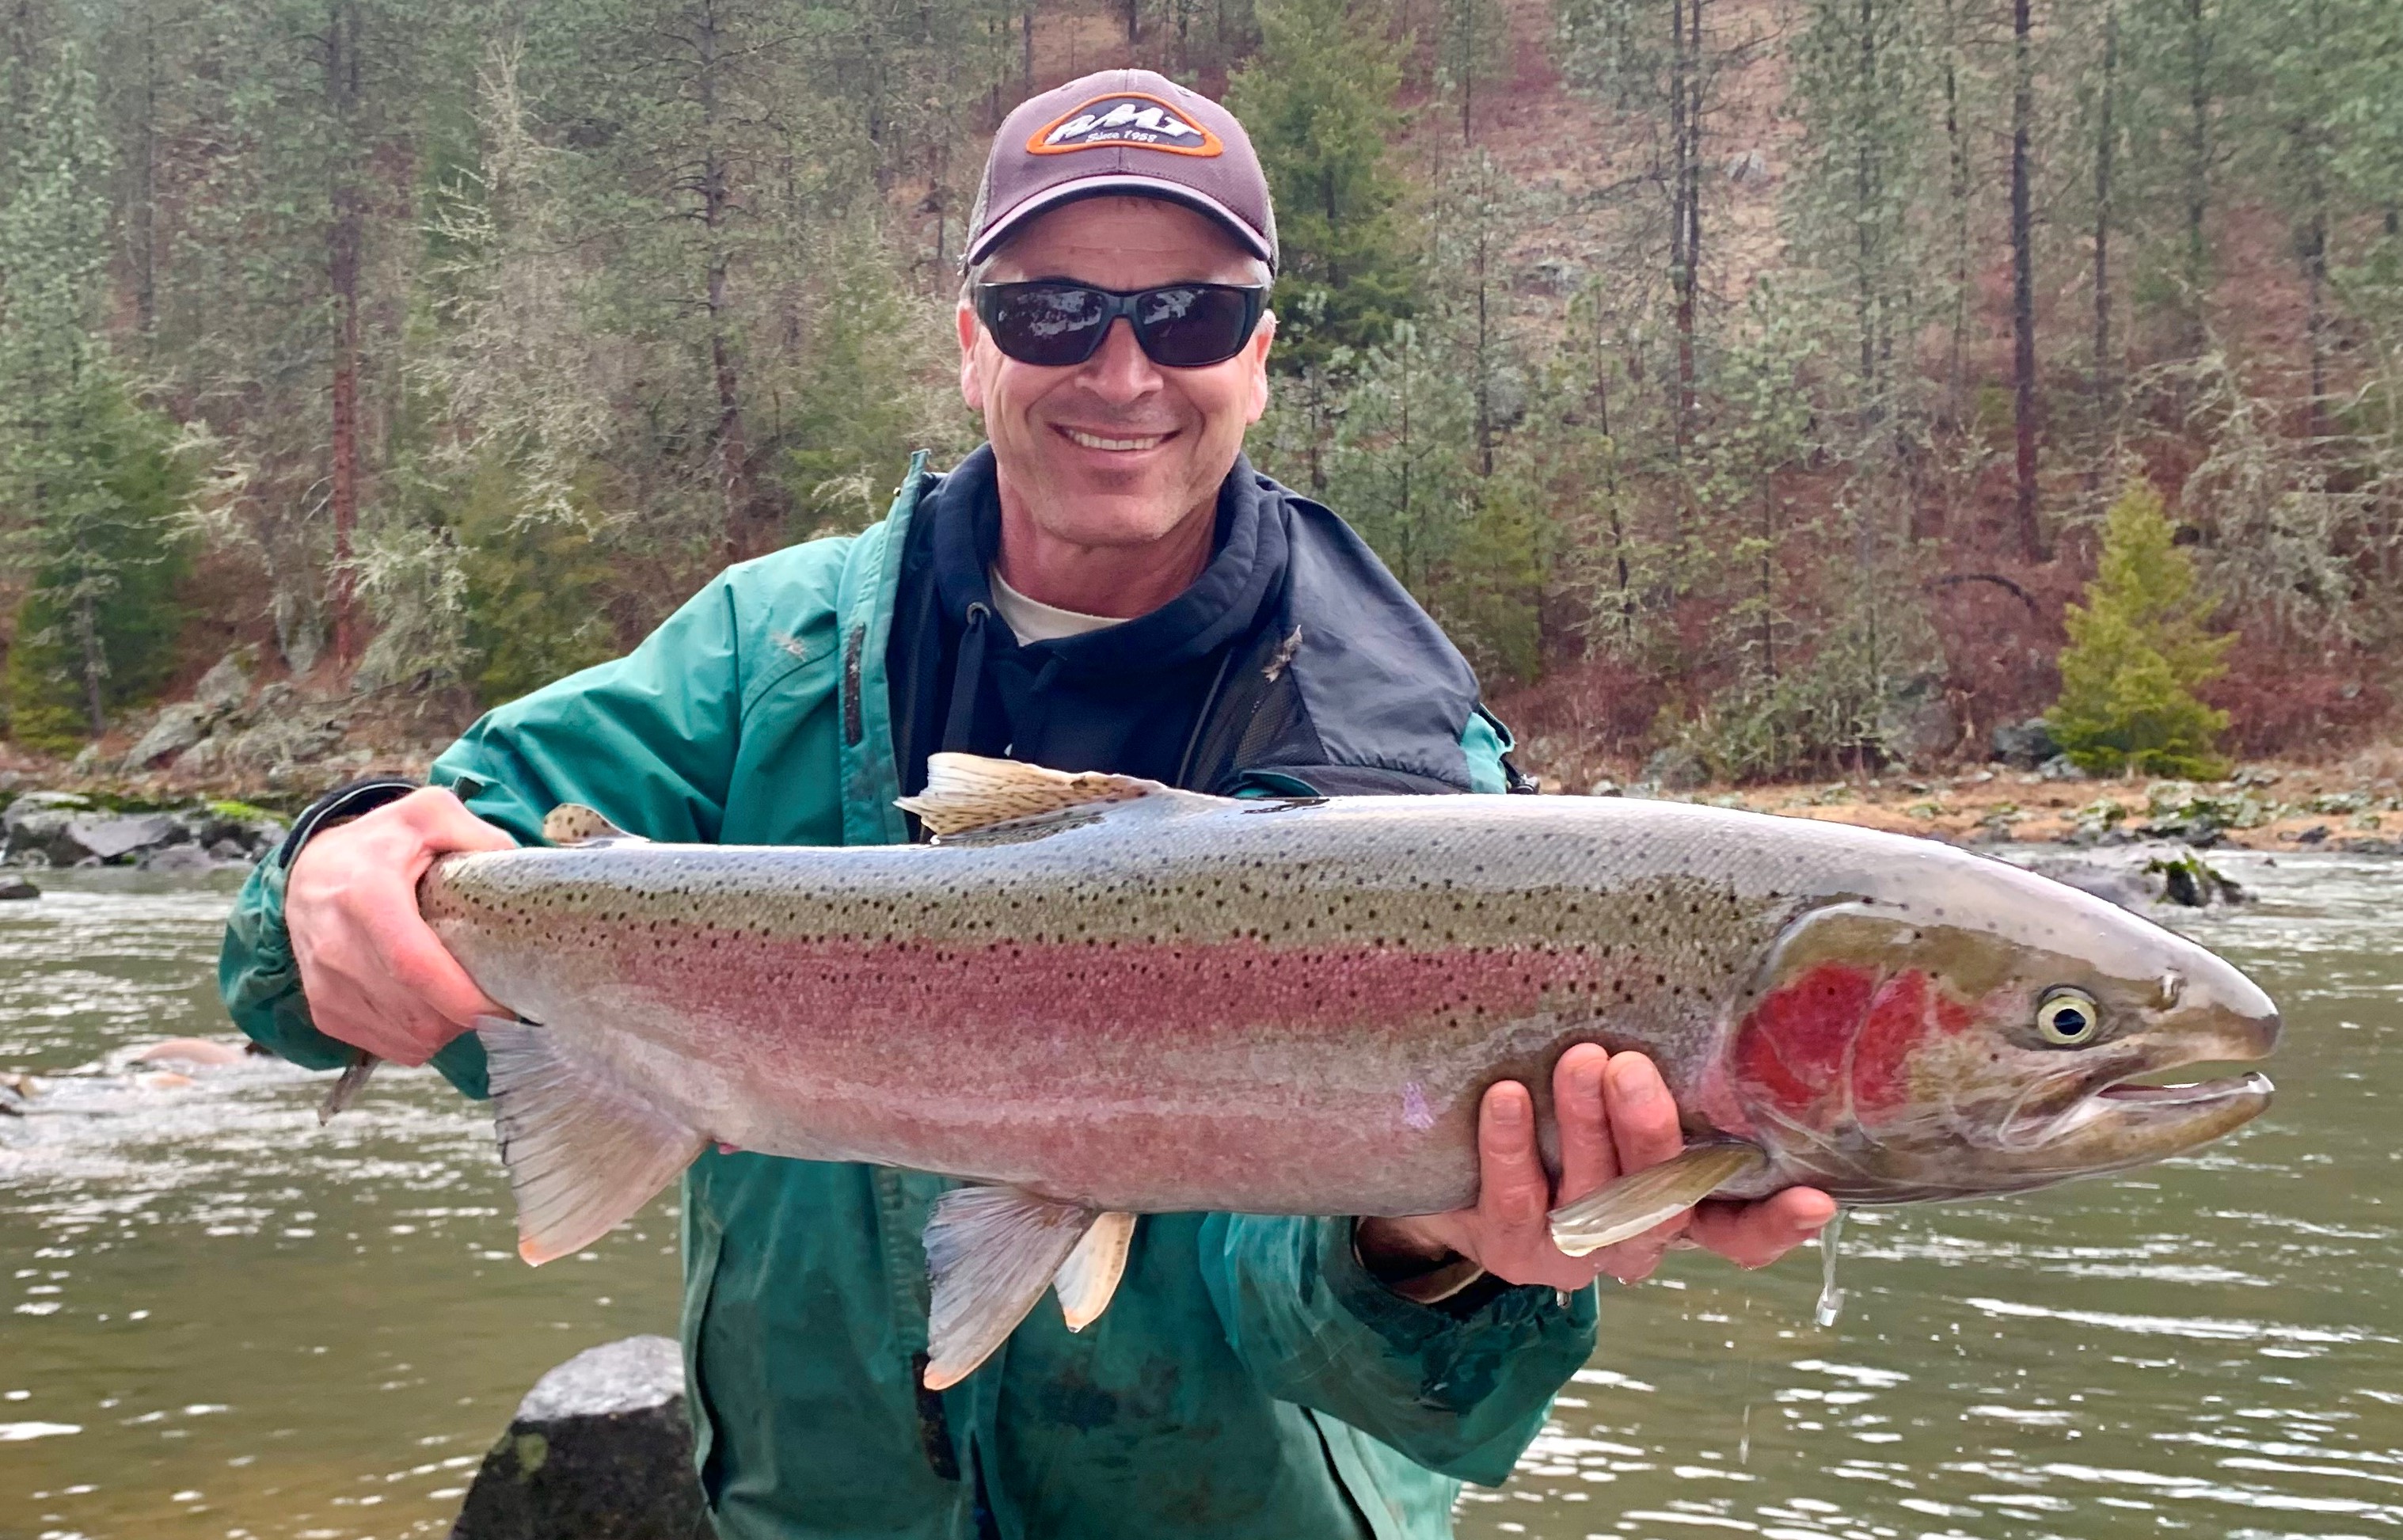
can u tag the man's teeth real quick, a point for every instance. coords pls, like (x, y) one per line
(1095, 441)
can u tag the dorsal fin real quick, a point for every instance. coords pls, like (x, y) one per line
(968, 791)
(574, 823)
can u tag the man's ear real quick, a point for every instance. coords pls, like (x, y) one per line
(971, 385)
(1257, 358)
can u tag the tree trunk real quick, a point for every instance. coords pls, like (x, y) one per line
(2198, 162)
(2024, 396)
(716, 203)
(94, 659)
(1686, 231)
(1864, 193)
(1025, 52)
(2311, 139)
(145, 219)
(345, 235)
(1956, 354)
(2106, 372)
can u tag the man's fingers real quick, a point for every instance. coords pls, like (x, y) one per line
(1642, 1116)
(1513, 1188)
(1587, 1158)
(1753, 1235)
(424, 970)
(448, 825)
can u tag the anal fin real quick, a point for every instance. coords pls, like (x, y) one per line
(582, 1152)
(991, 1253)
(1090, 1274)
(1617, 1211)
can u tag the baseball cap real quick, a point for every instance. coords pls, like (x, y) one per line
(1125, 131)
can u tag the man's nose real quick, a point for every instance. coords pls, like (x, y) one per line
(1119, 371)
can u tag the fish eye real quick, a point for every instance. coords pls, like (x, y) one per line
(2067, 1017)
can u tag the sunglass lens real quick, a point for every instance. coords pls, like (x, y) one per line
(1186, 327)
(1047, 325)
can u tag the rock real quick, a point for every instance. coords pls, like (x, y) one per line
(226, 685)
(1676, 768)
(113, 836)
(1917, 723)
(14, 888)
(2371, 847)
(2024, 745)
(177, 729)
(2060, 767)
(599, 1450)
(177, 858)
(1605, 787)
(37, 837)
(2139, 877)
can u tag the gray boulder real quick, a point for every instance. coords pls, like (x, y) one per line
(35, 830)
(15, 888)
(113, 836)
(176, 728)
(599, 1450)
(226, 685)
(2024, 745)
(2140, 876)
(2062, 767)
(176, 858)
(1676, 769)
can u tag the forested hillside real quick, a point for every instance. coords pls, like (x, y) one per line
(1750, 376)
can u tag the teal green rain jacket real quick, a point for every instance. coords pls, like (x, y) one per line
(1248, 1379)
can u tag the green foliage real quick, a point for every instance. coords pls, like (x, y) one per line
(872, 389)
(1318, 102)
(2137, 652)
(89, 479)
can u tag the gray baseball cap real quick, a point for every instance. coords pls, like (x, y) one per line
(1126, 132)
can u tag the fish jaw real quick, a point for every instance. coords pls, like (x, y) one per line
(1889, 1059)
(2109, 1116)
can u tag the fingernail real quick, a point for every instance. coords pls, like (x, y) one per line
(1510, 1110)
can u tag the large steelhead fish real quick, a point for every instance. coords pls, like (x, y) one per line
(1098, 997)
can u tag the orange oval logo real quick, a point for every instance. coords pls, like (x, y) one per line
(1124, 118)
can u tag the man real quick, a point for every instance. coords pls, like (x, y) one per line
(1108, 586)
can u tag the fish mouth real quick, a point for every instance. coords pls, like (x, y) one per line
(2126, 1114)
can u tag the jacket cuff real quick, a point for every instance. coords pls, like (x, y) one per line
(340, 806)
(1480, 1302)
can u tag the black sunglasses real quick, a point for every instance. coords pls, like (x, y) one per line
(1053, 323)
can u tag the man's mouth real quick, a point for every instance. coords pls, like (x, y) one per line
(1121, 443)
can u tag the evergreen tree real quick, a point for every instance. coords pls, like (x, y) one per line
(1318, 102)
(2136, 653)
(88, 481)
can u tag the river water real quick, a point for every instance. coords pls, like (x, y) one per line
(219, 1320)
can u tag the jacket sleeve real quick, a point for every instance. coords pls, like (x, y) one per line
(1461, 1395)
(647, 739)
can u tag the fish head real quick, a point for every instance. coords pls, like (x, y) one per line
(2003, 1038)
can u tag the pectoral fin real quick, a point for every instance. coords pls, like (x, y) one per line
(1628, 1207)
(347, 1086)
(583, 1152)
(991, 1253)
(1091, 1275)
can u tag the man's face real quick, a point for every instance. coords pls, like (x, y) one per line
(1117, 450)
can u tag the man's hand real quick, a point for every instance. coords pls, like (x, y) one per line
(374, 975)
(1615, 1116)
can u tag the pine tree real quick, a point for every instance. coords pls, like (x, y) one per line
(2137, 651)
(87, 477)
(1318, 102)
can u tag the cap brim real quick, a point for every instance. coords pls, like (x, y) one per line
(1122, 184)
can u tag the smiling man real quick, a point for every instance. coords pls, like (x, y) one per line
(1107, 585)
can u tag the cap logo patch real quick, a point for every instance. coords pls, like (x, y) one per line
(1124, 118)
